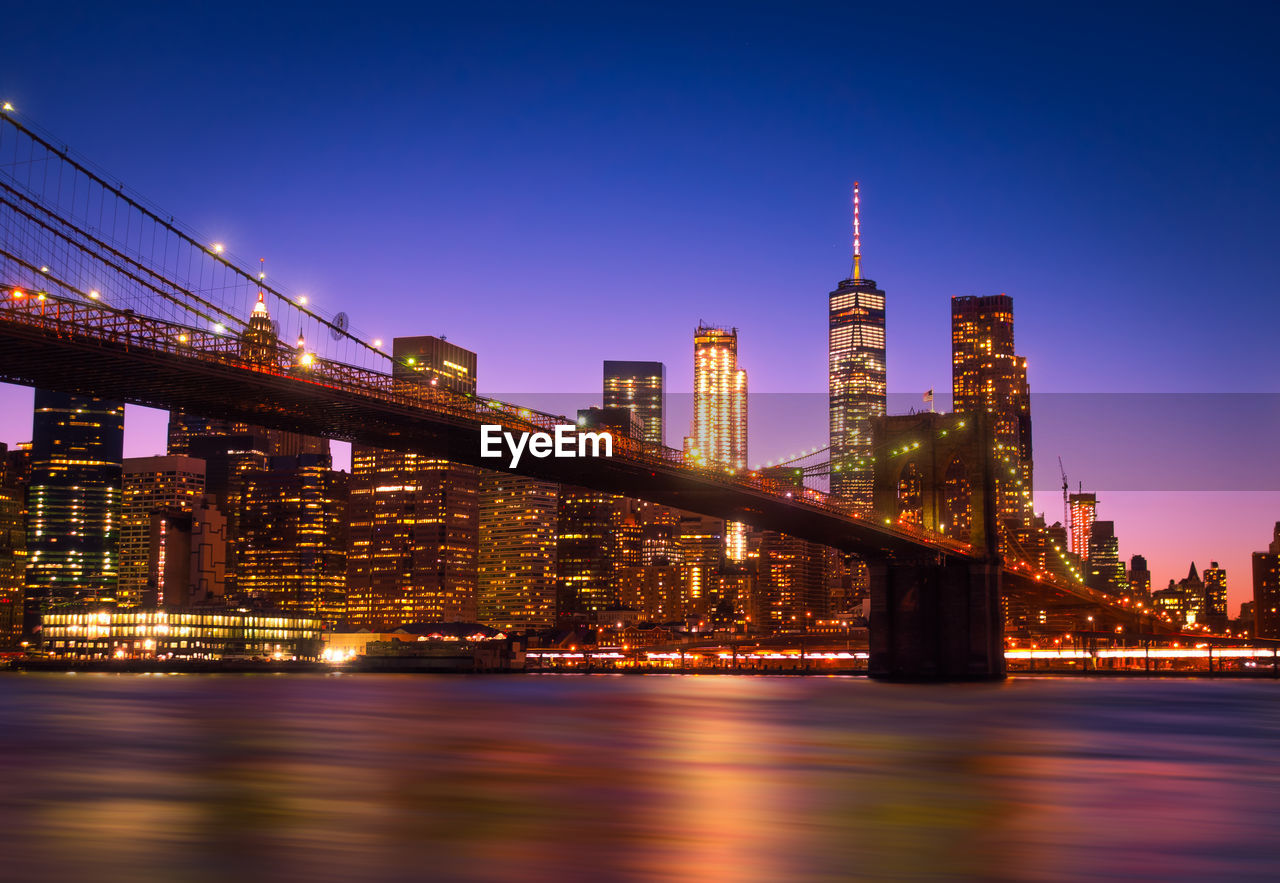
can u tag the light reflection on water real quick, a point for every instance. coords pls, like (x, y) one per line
(405, 777)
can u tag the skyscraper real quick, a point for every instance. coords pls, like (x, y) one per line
(151, 484)
(639, 386)
(13, 542)
(1266, 589)
(1215, 597)
(73, 500)
(1106, 572)
(293, 543)
(1084, 509)
(987, 377)
(415, 520)
(516, 583)
(1139, 577)
(720, 414)
(856, 374)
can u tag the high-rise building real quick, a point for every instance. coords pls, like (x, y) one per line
(187, 564)
(1139, 578)
(587, 553)
(641, 387)
(855, 375)
(1215, 597)
(719, 400)
(1084, 510)
(435, 361)
(151, 484)
(293, 538)
(719, 438)
(415, 520)
(73, 500)
(987, 376)
(13, 542)
(1106, 571)
(1266, 589)
(516, 581)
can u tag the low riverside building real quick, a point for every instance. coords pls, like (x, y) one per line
(191, 633)
(426, 646)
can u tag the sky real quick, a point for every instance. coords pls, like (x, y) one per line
(557, 184)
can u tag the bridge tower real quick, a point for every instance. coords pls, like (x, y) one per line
(937, 617)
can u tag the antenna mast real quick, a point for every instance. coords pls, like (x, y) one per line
(857, 236)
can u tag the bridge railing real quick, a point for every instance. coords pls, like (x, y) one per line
(90, 321)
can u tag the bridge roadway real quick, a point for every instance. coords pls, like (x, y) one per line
(89, 349)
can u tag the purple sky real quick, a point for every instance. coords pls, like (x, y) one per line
(554, 185)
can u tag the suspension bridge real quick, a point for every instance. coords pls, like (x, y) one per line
(103, 294)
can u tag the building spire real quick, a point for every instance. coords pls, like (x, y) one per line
(857, 236)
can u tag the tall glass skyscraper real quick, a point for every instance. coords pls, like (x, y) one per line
(639, 386)
(986, 376)
(720, 415)
(73, 500)
(855, 375)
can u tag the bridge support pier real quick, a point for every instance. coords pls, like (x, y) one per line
(936, 621)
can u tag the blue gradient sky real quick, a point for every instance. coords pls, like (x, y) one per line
(553, 186)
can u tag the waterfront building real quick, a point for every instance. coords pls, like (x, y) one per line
(213, 632)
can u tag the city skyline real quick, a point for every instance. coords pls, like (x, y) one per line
(1016, 203)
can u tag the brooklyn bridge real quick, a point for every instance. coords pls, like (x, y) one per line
(104, 295)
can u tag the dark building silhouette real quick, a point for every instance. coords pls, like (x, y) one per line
(1266, 589)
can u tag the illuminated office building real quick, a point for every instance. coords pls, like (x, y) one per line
(14, 466)
(516, 582)
(639, 386)
(187, 560)
(293, 540)
(1215, 597)
(856, 375)
(587, 532)
(435, 361)
(987, 377)
(1084, 510)
(1266, 589)
(415, 520)
(1105, 570)
(719, 438)
(73, 500)
(151, 484)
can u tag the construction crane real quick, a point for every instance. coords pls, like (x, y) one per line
(1066, 506)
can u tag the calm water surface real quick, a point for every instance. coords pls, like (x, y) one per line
(416, 777)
